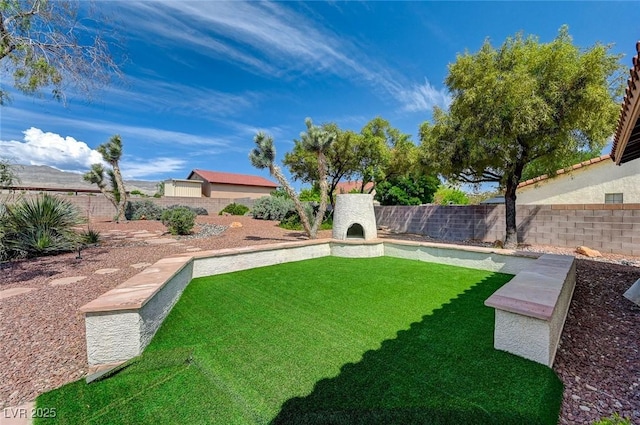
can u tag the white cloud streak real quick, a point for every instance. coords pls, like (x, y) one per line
(272, 39)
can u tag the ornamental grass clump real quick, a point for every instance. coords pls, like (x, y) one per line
(235, 209)
(37, 227)
(179, 221)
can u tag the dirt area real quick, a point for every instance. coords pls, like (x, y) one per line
(43, 343)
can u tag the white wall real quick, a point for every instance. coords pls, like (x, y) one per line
(586, 185)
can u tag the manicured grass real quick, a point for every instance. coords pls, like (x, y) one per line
(330, 340)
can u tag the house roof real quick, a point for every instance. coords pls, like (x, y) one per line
(626, 141)
(565, 170)
(232, 178)
(348, 186)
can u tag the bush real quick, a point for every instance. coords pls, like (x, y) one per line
(235, 209)
(197, 210)
(615, 419)
(272, 208)
(90, 237)
(450, 196)
(179, 220)
(146, 209)
(292, 219)
(40, 226)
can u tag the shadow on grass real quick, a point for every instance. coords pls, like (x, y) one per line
(443, 370)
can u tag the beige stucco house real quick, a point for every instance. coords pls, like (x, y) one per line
(597, 181)
(216, 184)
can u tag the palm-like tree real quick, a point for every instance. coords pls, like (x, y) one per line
(319, 141)
(264, 156)
(111, 152)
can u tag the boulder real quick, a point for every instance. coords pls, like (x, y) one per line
(235, 224)
(588, 252)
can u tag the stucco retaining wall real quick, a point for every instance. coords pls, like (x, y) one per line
(121, 322)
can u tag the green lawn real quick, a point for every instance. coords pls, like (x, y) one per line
(324, 341)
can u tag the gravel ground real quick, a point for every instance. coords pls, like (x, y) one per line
(42, 332)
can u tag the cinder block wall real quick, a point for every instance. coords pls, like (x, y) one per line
(613, 228)
(99, 207)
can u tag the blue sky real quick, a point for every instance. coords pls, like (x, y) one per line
(203, 77)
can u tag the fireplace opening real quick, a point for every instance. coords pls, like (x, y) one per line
(355, 231)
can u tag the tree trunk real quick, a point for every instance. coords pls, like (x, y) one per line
(511, 238)
(122, 204)
(322, 173)
(275, 171)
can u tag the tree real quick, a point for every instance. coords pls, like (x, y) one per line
(44, 44)
(341, 158)
(111, 152)
(407, 190)
(446, 195)
(8, 174)
(525, 101)
(317, 141)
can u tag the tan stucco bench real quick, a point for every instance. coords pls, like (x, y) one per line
(532, 307)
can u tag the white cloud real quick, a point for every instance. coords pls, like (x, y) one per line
(423, 97)
(136, 169)
(269, 38)
(40, 148)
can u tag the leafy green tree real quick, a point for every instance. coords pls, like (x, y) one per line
(407, 190)
(522, 102)
(43, 43)
(450, 196)
(111, 152)
(341, 158)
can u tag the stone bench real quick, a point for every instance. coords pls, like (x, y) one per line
(531, 308)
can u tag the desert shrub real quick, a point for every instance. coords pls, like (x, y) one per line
(39, 226)
(197, 210)
(272, 208)
(450, 196)
(136, 192)
(90, 237)
(179, 220)
(235, 209)
(614, 419)
(292, 220)
(145, 209)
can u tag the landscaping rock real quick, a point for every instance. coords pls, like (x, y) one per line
(66, 280)
(235, 225)
(588, 252)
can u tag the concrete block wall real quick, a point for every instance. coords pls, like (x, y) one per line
(612, 228)
(99, 207)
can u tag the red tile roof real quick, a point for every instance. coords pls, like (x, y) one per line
(626, 141)
(565, 170)
(347, 187)
(232, 178)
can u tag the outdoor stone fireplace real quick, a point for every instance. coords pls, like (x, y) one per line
(354, 218)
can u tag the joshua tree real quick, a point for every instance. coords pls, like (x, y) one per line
(111, 152)
(264, 156)
(318, 141)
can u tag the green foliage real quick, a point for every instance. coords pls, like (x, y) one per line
(179, 221)
(272, 208)
(614, 419)
(235, 209)
(145, 209)
(159, 190)
(450, 196)
(90, 237)
(37, 227)
(539, 168)
(8, 173)
(197, 210)
(407, 190)
(520, 103)
(310, 195)
(136, 192)
(281, 193)
(292, 220)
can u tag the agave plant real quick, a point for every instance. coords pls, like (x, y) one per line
(39, 226)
